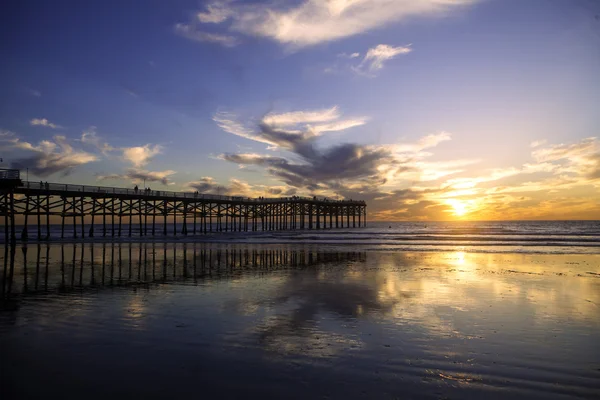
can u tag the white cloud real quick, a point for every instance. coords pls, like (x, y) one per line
(336, 126)
(580, 158)
(297, 117)
(574, 151)
(311, 22)
(372, 62)
(6, 135)
(287, 129)
(228, 122)
(136, 155)
(141, 155)
(378, 55)
(425, 142)
(58, 155)
(190, 32)
(345, 55)
(44, 122)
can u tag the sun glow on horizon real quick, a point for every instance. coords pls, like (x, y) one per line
(459, 207)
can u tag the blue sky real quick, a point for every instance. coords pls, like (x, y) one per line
(426, 108)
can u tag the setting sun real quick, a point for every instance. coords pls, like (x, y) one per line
(459, 208)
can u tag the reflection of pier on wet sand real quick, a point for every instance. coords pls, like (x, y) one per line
(66, 267)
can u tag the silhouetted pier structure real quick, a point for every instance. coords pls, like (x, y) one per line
(108, 211)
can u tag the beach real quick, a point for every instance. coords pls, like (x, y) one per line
(300, 199)
(299, 320)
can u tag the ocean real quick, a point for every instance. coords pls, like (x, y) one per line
(463, 310)
(560, 237)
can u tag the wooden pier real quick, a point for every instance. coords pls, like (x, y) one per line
(94, 211)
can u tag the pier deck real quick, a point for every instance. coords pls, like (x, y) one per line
(109, 211)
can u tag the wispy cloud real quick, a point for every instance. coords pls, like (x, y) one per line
(286, 130)
(345, 55)
(300, 117)
(377, 56)
(190, 32)
(581, 158)
(34, 93)
(215, 13)
(538, 143)
(89, 136)
(138, 176)
(373, 61)
(43, 122)
(310, 22)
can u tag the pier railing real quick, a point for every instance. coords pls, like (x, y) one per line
(164, 193)
(9, 174)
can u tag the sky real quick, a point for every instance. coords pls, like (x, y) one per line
(426, 109)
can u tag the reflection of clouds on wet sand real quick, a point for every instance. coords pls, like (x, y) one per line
(316, 305)
(288, 335)
(455, 295)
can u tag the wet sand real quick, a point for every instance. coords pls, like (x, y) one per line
(282, 321)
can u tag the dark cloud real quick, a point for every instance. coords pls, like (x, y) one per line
(208, 185)
(49, 157)
(279, 191)
(139, 175)
(318, 168)
(44, 165)
(346, 170)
